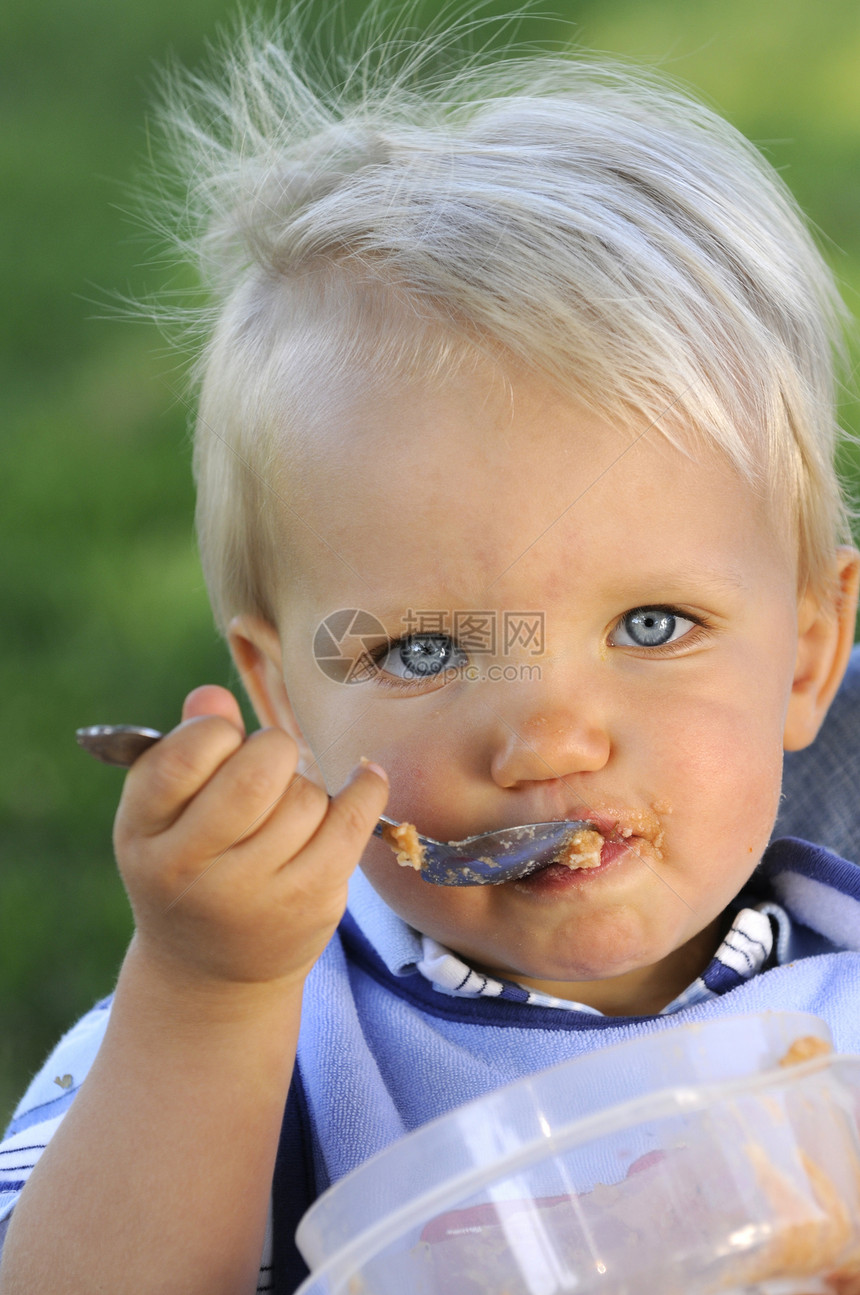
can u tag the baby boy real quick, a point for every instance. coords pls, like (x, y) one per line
(514, 457)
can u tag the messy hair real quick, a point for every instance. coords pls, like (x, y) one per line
(593, 223)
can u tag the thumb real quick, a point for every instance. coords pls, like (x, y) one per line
(211, 699)
(355, 809)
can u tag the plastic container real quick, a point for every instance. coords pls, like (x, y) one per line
(719, 1157)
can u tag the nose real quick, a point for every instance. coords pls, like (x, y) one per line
(550, 739)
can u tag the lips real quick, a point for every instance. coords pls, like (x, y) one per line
(612, 833)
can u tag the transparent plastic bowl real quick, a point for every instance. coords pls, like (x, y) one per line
(718, 1157)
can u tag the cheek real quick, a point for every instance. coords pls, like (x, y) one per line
(426, 758)
(724, 758)
(342, 723)
(414, 775)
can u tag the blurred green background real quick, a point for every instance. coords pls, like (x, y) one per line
(104, 613)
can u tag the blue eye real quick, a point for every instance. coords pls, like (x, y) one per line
(421, 656)
(648, 627)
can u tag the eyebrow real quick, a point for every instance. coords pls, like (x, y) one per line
(465, 598)
(717, 580)
(446, 607)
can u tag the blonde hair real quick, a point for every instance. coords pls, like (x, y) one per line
(591, 222)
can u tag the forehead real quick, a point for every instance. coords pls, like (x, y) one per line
(485, 482)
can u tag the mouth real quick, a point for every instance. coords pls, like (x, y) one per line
(556, 847)
(592, 850)
(614, 824)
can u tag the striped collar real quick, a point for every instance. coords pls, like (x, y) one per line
(758, 937)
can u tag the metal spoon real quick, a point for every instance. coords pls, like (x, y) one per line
(487, 859)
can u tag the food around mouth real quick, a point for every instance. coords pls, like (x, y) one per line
(403, 839)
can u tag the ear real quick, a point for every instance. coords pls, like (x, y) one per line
(256, 649)
(825, 637)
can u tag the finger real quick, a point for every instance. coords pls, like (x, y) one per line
(211, 699)
(340, 840)
(283, 828)
(257, 783)
(165, 778)
(286, 840)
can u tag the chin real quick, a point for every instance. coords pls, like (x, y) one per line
(575, 970)
(619, 948)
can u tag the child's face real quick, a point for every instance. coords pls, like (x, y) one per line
(671, 723)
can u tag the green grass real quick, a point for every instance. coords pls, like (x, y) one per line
(104, 611)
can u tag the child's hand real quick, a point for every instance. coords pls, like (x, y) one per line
(236, 867)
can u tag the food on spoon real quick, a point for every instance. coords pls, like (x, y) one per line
(581, 849)
(403, 839)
